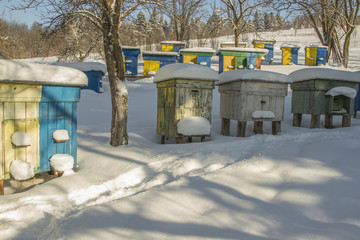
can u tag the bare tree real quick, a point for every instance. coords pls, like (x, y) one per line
(181, 12)
(239, 13)
(107, 16)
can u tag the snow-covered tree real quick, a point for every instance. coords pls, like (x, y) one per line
(214, 25)
(141, 28)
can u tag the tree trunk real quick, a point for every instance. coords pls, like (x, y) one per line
(119, 97)
(346, 49)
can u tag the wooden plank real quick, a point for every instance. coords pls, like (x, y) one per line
(8, 147)
(60, 125)
(73, 133)
(32, 151)
(51, 145)
(44, 119)
(328, 121)
(315, 121)
(12, 92)
(67, 126)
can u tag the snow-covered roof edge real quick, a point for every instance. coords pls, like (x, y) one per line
(34, 73)
(239, 49)
(185, 71)
(324, 73)
(84, 66)
(198, 49)
(160, 53)
(252, 75)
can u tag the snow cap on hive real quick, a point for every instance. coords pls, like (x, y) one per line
(60, 135)
(194, 126)
(62, 162)
(21, 170)
(20, 139)
(252, 75)
(324, 73)
(185, 71)
(34, 73)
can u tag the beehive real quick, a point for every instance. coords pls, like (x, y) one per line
(172, 46)
(266, 44)
(131, 58)
(184, 90)
(201, 56)
(37, 100)
(250, 95)
(290, 53)
(315, 55)
(322, 91)
(240, 58)
(155, 60)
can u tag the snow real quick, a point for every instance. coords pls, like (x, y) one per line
(61, 135)
(262, 114)
(160, 53)
(84, 66)
(192, 126)
(252, 75)
(62, 162)
(22, 72)
(172, 42)
(199, 49)
(346, 91)
(324, 73)
(300, 184)
(21, 170)
(185, 71)
(20, 139)
(239, 49)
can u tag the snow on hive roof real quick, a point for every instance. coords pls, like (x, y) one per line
(33, 73)
(172, 42)
(185, 71)
(324, 73)
(130, 47)
(252, 75)
(289, 45)
(239, 49)
(84, 66)
(314, 45)
(205, 50)
(160, 53)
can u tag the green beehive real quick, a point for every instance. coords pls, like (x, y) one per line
(184, 90)
(322, 91)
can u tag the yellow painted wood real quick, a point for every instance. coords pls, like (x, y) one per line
(150, 65)
(310, 56)
(31, 110)
(166, 48)
(190, 58)
(10, 92)
(9, 110)
(11, 152)
(286, 55)
(229, 63)
(259, 45)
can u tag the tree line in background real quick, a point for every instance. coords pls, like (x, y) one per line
(77, 40)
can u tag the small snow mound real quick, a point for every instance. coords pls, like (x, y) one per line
(346, 91)
(62, 162)
(262, 114)
(194, 126)
(21, 170)
(20, 139)
(61, 135)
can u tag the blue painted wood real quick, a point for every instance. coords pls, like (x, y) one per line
(270, 55)
(177, 48)
(206, 59)
(131, 64)
(357, 100)
(94, 81)
(221, 63)
(321, 56)
(251, 59)
(294, 55)
(161, 58)
(57, 111)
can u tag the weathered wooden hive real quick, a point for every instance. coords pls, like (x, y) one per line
(184, 91)
(201, 56)
(35, 101)
(240, 58)
(251, 95)
(290, 53)
(268, 45)
(93, 70)
(322, 91)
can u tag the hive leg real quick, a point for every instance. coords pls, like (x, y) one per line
(346, 120)
(258, 127)
(328, 121)
(315, 121)
(179, 140)
(162, 139)
(225, 127)
(297, 119)
(2, 187)
(202, 139)
(189, 139)
(276, 127)
(241, 128)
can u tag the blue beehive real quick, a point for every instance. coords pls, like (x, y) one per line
(155, 60)
(131, 56)
(38, 100)
(315, 55)
(290, 54)
(201, 56)
(93, 70)
(266, 44)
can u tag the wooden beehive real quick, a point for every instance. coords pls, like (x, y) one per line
(201, 56)
(153, 61)
(172, 46)
(249, 95)
(290, 53)
(266, 44)
(37, 99)
(310, 95)
(184, 90)
(131, 58)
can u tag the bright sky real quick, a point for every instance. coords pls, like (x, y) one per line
(28, 16)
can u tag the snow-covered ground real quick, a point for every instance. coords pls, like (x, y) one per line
(301, 184)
